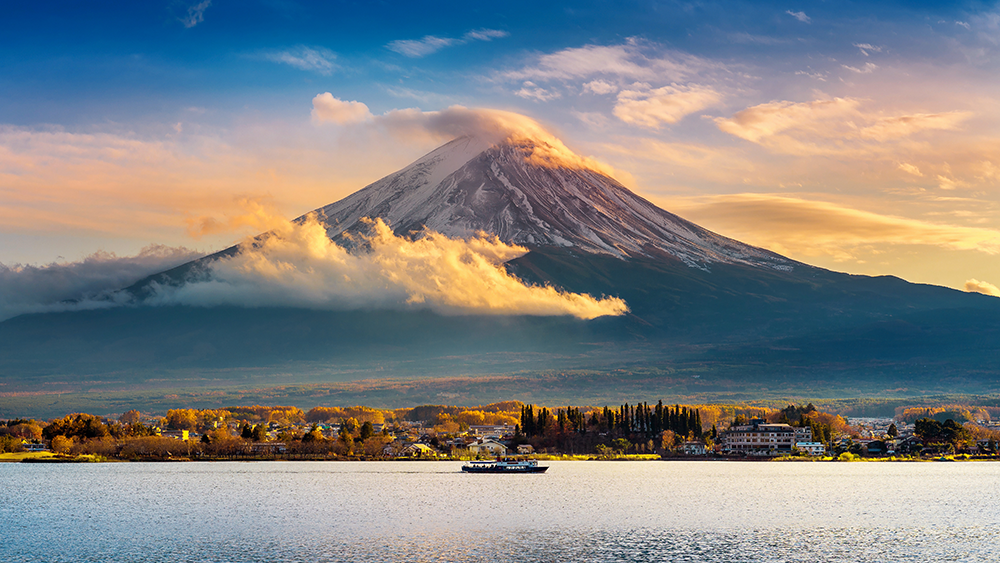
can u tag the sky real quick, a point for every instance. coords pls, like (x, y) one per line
(861, 137)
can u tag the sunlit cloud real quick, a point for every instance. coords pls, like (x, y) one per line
(120, 186)
(313, 59)
(490, 125)
(297, 265)
(653, 107)
(87, 284)
(600, 87)
(630, 61)
(530, 91)
(802, 227)
(910, 169)
(833, 126)
(195, 14)
(249, 213)
(986, 288)
(326, 108)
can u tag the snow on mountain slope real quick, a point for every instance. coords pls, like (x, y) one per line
(516, 190)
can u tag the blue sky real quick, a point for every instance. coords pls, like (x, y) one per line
(863, 137)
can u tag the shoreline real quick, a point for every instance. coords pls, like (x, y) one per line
(41, 457)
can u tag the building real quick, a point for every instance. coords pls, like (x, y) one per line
(760, 438)
(488, 447)
(419, 450)
(497, 431)
(694, 448)
(811, 448)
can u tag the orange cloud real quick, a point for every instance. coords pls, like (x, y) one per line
(986, 288)
(812, 228)
(829, 127)
(669, 104)
(298, 265)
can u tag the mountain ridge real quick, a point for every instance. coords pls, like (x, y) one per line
(506, 191)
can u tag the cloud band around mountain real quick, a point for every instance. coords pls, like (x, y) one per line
(297, 265)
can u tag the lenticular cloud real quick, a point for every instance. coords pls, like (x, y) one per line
(298, 265)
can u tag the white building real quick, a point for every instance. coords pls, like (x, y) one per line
(488, 447)
(763, 439)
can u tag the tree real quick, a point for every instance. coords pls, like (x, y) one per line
(892, 431)
(79, 425)
(621, 445)
(367, 429)
(61, 444)
(130, 417)
(954, 433)
(928, 429)
(314, 435)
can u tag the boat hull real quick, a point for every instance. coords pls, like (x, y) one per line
(536, 469)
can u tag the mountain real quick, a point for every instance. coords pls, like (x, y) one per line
(517, 191)
(710, 316)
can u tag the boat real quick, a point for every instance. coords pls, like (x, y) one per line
(504, 465)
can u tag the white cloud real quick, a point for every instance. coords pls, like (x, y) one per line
(87, 284)
(801, 16)
(328, 108)
(600, 87)
(964, 24)
(631, 61)
(867, 48)
(297, 265)
(416, 48)
(486, 34)
(811, 74)
(975, 286)
(195, 14)
(489, 125)
(669, 104)
(744, 37)
(867, 69)
(530, 91)
(314, 59)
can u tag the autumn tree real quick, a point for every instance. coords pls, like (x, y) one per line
(130, 417)
(79, 425)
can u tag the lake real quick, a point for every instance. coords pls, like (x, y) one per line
(430, 511)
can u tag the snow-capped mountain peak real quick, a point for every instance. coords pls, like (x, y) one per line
(533, 192)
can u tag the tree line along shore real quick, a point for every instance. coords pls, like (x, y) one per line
(626, 431)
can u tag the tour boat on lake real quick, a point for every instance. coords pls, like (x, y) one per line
(504, 465)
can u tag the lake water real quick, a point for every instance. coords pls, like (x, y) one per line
(430, 511)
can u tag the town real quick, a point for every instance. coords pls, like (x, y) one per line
(434, 432)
